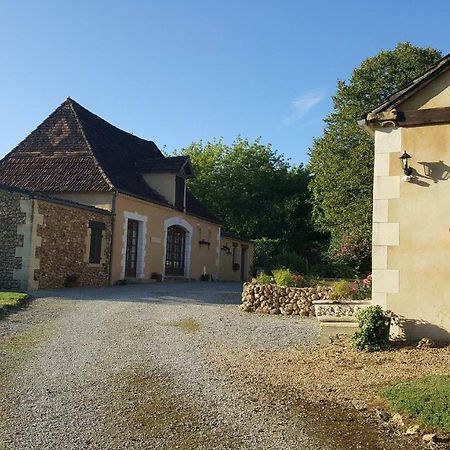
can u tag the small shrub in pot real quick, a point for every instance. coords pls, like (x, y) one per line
(342, 289)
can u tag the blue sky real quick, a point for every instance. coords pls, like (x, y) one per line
(178, 71)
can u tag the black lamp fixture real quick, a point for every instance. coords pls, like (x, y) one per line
(405, 164)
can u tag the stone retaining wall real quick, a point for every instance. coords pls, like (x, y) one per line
(273, 299)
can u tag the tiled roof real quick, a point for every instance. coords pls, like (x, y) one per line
(173, 164)
(74, 150)
(59, 201)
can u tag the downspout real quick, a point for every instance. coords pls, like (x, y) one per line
(111, 245)
(363, 124)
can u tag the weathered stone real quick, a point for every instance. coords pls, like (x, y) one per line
(414, 429)
(359, 405)
(429, 437)
(442, 438)
(426, 342)
(397, 420)
(382, 415)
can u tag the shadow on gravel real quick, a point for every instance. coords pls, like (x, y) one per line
(164, 293)
(21, 305)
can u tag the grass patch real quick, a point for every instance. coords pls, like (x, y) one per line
(11, 300)
(426, 399)
(187, 325)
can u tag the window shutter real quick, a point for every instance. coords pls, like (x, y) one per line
(95, 248)
(179, 193)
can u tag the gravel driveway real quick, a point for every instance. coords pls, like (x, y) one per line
(136, 367)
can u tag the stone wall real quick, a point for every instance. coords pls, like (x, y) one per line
(273, 299)
(64, 247)
(11, 217)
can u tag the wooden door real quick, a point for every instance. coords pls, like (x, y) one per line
(175, 250)
(244, 263)
(132, 246)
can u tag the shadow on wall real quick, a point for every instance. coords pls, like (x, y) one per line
(433, 170)
(416, 329)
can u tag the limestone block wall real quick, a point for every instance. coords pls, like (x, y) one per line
(273, 299)
(11, 216)
(64, 246)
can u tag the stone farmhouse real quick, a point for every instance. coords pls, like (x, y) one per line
(85, 203)
(411, 211)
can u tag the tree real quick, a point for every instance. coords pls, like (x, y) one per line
(341, 161)
(254, 191)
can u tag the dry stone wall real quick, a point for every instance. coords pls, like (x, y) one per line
(273, 299)
(10, 218)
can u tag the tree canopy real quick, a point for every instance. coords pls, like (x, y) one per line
(254, 191)
(341, 161)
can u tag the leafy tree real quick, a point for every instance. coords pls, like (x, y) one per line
(254, 191)
(342, 159)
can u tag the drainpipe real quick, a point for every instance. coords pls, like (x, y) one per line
(363, 124)
(111, 245)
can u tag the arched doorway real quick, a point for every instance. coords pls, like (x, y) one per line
(175, 251)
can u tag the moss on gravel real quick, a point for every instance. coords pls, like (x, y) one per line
(187, 325)
(153, 411)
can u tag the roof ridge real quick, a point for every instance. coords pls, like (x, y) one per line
(413, 86)
(105, 177)
(74, 102)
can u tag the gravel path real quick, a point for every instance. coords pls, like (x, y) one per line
(129, 367)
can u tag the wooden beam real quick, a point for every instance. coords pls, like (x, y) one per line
(419, 117)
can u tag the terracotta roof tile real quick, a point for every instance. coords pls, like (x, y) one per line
(76, 150)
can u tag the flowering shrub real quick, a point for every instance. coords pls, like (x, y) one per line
(298, 280)
(362, 289)
(357, 290)
(352, 251)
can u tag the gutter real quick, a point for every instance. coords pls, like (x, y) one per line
(111, 245)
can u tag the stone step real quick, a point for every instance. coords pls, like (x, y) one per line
(139, 281)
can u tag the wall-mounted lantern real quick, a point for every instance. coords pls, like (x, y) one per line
(204, 242)
(406, 167)
(226, 249)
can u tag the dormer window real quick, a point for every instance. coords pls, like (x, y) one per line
(180, 194)
(167, 176)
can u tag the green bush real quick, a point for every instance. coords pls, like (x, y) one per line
(331, 270)
(264, 250)
(263, 278)
(283, 277)
(342, 289)
(373, 330)
(290, 260)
